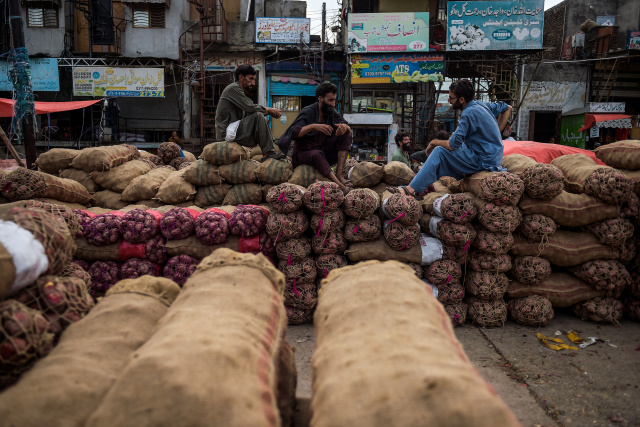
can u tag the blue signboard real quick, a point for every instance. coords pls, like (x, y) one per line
(396, 68)
(44, 75)
(495, 25)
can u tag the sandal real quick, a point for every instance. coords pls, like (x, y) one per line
(403, 189)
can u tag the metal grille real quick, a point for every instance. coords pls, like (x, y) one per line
(148, 15)
(43, 15)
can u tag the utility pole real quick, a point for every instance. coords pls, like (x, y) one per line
(324, 24)
(21, 76)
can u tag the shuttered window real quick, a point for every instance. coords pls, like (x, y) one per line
(42, 15)
(148, 15)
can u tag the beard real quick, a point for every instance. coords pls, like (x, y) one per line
(326, 109)
(457, 105)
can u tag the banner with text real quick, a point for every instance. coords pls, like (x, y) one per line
(396, 68)
(44, 75)
(495, 25)
(107, 81)
(570, 131)
(282, 30)
(230, 63)
(388, 32)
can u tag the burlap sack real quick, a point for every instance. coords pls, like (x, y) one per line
(569, 209)
(84, 178)
(108, 200)
(65, 387)
(104, 158)
(119, 177)
(397, 173)
(562, 289)
(175, 189)
(496, 187)
(382, 309)
(621, 154)
(211, 195)
(217, 353)
(564, 248)
(497, 218)
(88, 252)
(305, 175)
(223, 153)
(458, 208)
(274, 172)
(244, 194)
(241, 172)
(193, 247)
(366, 174)
(379, 250)
(634, 178)
(150, 204)
(66, 190)
(56, 159)
(189, 156)
(541, 181)
(145, 186)
(583, 175)
(203, 173)
(8, 275)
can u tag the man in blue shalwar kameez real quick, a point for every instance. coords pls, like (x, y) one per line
(476, 145)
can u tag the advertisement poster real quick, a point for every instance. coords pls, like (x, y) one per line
(570, 131)
(230, 63)
(633, 40)
(495, 25)
(44, 75)
(388, 32)
(396, 68)
(282, 30)
(108, 81)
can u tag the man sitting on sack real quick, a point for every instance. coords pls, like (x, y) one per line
(322, 137)
(475, 146)
(239, 120)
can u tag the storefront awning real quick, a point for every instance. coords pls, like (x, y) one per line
(6, 106)
(606, 121)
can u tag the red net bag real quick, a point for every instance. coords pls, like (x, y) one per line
(136, 267)
(104, 274)
(404, 209)
(285, 197)
(302, 296)
(323, 196)
(329, 222)
(487, 314)
(500, 218)
(247, 220)
(533, 310)
(326, 263)
(452, 293)
(364, 230)
(299, 272)
(612, 232)
(138, 226)
(361, 203)
(401, 237)
(287, 225)
(531, 270)
(180, 268)
(329, 243)
(212, 228)
(298, 316)
(480, 261)
(267, 244)
(176, 224)
(486, 285)
(457, 313)
(103, 229)
(600, 310)
(155, 249)
(537, 227)
(443, 272)
(294, 250)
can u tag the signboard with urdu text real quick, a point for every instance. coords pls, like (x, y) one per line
(108, 81)
(44, 75)
(396, 68)
(231, 62)
(282, 30)
(495, 25)
(570, 131)
(388, 32)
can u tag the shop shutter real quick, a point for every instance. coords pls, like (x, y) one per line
(140, 111)
(293, 89)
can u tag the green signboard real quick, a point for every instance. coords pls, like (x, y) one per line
(570, 133)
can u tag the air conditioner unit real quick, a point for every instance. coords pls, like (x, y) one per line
(577, 40)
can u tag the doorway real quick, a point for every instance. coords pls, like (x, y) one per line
(545, 126)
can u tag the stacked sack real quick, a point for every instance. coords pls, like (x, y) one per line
(287, 225)
(41, 291)
(573, 245)
(229, 174)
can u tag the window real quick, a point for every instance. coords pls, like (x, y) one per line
(149, 15)
(42, 15)
(286, 103)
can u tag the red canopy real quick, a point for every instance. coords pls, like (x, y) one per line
(6, 106)
(615, 121)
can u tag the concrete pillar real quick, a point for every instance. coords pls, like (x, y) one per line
(186, 109)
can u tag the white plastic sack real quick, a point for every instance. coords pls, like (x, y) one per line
(431, 249)
(27, 252)
(232, 129)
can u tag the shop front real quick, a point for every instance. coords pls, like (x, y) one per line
(605, 122)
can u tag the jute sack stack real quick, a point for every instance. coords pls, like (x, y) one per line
(497, 218)
(621, 154)
(274, 172)
(375, 320)
(496, 187)
(211, 195)
(366, 174)
(56, 159)
(104, 158)
(146, 186)
(203, 173)
(305, 175)
(175, 189)
(426, 252)
(118, 178)
(583, 175)
(82, 177)
(65, 387)
(108, 199)
(397, 173)
(541, 181)
(224, 153)
(218, 357)
(22, 184)
(569, 209)
(240, 172)
(562, 289)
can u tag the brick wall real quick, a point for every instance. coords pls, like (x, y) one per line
(553, 30)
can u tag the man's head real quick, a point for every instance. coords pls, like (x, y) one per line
(403, 140)
(174, 134)
(443, 134)
(460, 94)
(246, 77)
(327, 94)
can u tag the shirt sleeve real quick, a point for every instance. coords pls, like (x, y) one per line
(460, 134)
(497, 108)
(240, 100)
